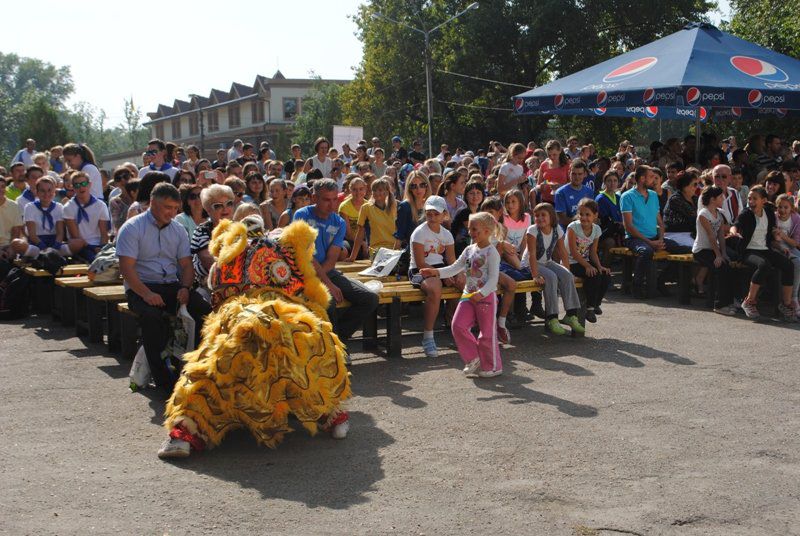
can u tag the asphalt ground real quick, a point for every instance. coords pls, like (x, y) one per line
(662, 420)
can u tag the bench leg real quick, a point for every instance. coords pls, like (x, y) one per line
(81, 324)
(94, 320)
(370, 340)
(67, 306)
(627, 275)
(652, 280)
(394, 341)
(684, 283)
(711, 293)
(42, 289)
(112, 319)
(57, 303)
(128, 335)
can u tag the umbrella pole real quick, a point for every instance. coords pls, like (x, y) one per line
(697, 132)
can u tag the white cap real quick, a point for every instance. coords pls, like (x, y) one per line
(436, 203)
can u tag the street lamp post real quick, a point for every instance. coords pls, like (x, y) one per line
(202, 133)
(428, 84)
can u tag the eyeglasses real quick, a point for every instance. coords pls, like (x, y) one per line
(81, 184)
(220, 206)
(194, 197)
(417, 185)
(151, 152)
(238, 194)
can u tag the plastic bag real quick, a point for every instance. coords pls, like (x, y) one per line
(105, 266)
(140, 371)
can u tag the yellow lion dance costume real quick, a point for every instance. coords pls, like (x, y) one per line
(267, 349)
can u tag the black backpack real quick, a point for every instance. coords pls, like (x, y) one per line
(15, 294)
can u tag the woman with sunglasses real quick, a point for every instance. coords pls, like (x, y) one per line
(192, 213)
(219, 203)
(411, 211)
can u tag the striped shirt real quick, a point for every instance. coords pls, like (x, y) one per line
(200, 240)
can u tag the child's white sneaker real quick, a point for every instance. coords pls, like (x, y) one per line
(489, 373)
(471, 369)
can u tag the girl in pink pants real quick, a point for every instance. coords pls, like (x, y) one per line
(478, 303)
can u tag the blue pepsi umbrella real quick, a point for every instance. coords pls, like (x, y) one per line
(681, 76)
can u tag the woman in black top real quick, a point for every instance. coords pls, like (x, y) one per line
(754, 227)
(680, 212)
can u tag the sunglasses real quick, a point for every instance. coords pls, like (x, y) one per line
(220, 206)
(238, 194)
(415, 186)
(81, 184)
(152, 152)
(194, 197)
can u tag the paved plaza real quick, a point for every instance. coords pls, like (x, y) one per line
(662, 420)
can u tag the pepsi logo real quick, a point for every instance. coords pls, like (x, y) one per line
(651, 111)
(759, 69)
(736, 112)
(754, 98)
(600, 111)
(649, 96)
(519, 104)
(781, 112)
(631, 69)
(693, 96)
(703, 113)
(558, 101)
(602, 97)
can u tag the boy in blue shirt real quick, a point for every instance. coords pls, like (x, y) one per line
(568, 196)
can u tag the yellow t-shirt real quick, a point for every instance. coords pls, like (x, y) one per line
(382, 226)
(10, 216)
(349, 212)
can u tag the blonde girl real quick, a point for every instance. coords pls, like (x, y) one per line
(350, 208)
(380, 212)
(478, 303)
(787, 239)
(512, 174)
(548, 263)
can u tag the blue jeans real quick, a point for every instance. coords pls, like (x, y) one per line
(644, 257)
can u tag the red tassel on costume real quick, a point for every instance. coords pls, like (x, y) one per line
(180, 432)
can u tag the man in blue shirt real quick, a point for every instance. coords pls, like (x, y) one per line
(568, 196)
(330, 240)
(156, 267)
(644, 229)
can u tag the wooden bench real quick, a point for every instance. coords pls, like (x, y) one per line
(101, 303)
(68, 298)
(42, 284)
(128, 331)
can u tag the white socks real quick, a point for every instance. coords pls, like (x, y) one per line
(64, 251)
(427, 335)
(501, 321)
(32, 252)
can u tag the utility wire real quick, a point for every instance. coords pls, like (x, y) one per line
(476, 106)
(482, 79)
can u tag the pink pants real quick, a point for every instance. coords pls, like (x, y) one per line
(485, 347)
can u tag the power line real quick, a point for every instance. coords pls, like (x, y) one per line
(482, 79)
(476, 106)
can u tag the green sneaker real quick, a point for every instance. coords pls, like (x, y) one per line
(554, 327)
(574, 324)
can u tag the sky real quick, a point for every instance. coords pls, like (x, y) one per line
(114, 52)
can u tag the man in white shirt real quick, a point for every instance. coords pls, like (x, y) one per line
(573, 151)
(25, 155)
(235, 151)
(86, 219)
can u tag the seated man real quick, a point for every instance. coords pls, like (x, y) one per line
(32, 175)
(330, 240)
(644, 229)
(10, 223)
(16, 183)
(86, 220)
(568, 196)
(156, 266)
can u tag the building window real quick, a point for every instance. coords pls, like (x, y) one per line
(194, 128)
(290, 110)
(176, 129)
(160, 131)
(213, 121)
(257, 111)
(234, 119)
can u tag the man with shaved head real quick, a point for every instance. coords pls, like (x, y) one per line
(732, 206)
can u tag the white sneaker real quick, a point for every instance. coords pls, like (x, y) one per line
(471, 369)
(489, 373)
(174, 448)
(340, 430)
(751, 310)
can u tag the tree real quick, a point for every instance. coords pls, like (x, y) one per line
(513, 41)
(321, 110)
(133, 124)
(40, 120)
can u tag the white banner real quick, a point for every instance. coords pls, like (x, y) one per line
(349, 135)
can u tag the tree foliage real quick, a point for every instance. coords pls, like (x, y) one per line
(515, 41)
(321, 110)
